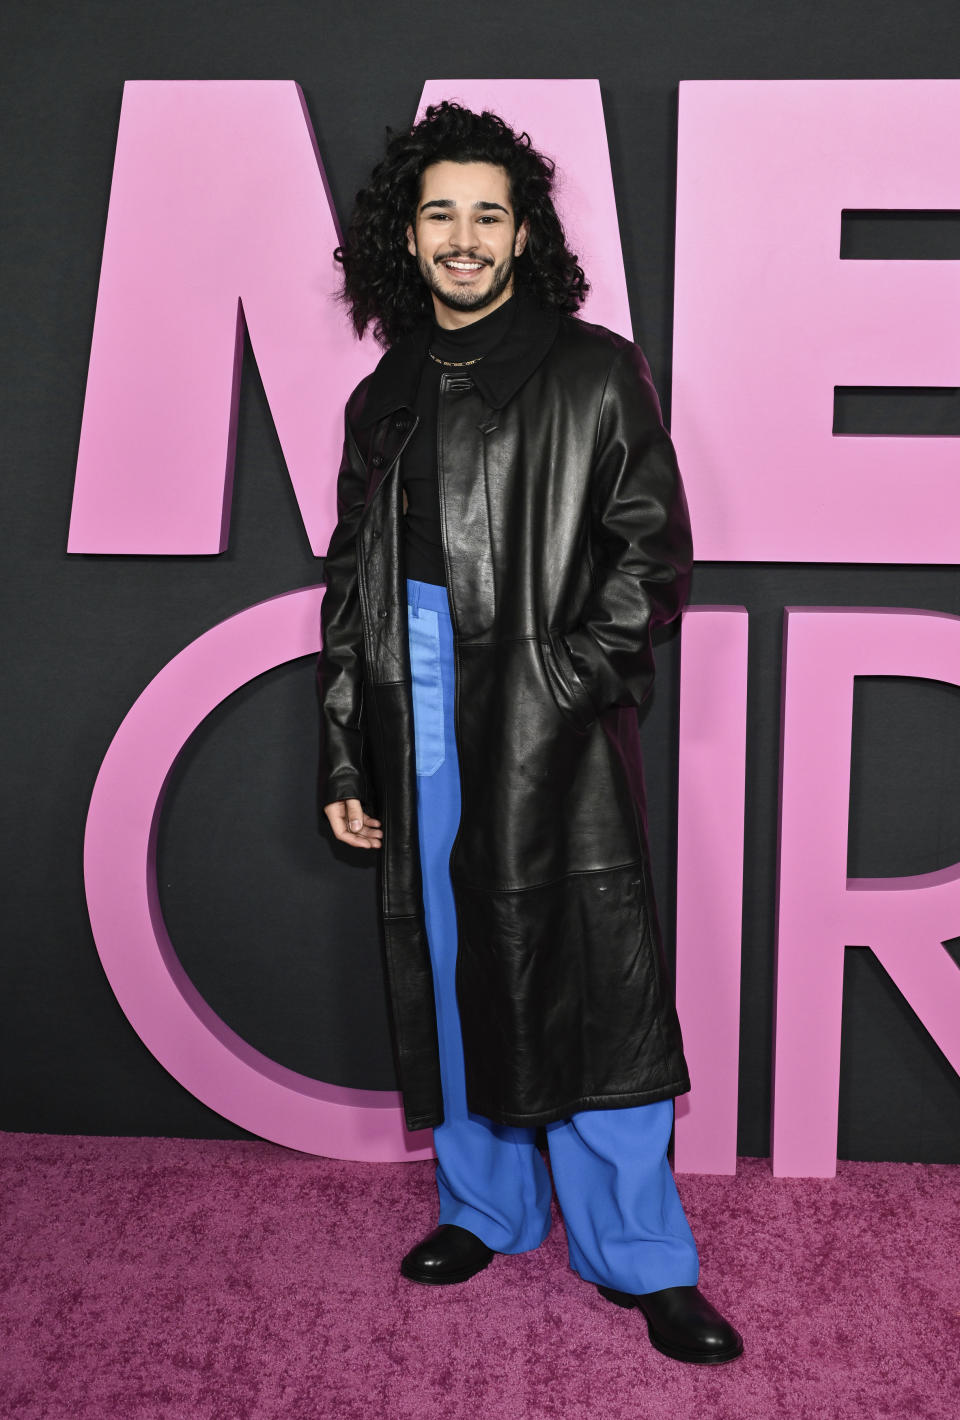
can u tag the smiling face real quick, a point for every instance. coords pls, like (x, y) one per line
(466, 239)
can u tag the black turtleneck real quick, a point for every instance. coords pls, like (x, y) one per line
(423, 547)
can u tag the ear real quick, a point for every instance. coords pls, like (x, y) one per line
(520, 241)
(411, 241)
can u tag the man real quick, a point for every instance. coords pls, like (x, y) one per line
(511, 526)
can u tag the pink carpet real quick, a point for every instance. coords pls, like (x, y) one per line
(242, 1281)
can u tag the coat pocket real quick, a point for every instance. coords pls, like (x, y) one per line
(567, 688)
(423, 629)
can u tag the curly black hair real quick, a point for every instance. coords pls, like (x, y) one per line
(382, 284)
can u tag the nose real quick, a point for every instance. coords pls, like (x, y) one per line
(462, 236)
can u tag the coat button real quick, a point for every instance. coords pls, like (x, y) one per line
(382, 612)
(376, 532)
(377, 460)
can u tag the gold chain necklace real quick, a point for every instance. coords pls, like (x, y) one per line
(437, 360)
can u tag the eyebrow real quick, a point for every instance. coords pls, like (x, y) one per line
(478, 206)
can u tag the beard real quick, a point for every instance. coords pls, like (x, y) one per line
(465, 299)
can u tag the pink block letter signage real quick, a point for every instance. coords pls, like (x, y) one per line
(768, 318)
(219, 217)
(713, 725)
(905, 921)
(120, 873)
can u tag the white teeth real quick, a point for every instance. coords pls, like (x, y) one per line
(464, 265)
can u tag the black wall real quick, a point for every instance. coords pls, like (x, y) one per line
(274, 922)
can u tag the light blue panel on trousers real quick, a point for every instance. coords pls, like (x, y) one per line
(625, 1224)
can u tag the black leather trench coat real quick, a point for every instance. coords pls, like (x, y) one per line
(566, 539)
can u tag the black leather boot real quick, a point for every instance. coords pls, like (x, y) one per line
(683, 1324)
(448, 1254)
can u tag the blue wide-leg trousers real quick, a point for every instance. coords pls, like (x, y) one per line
(625, 1224)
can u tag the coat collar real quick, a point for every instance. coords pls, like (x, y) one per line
(393, 384)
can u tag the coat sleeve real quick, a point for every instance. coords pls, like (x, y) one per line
(340, 665)
(641, 540)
